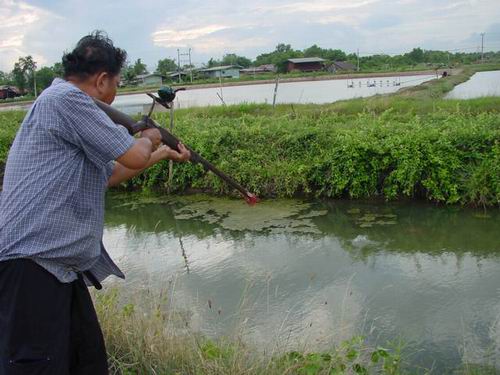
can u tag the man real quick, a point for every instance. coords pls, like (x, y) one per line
(51, 215)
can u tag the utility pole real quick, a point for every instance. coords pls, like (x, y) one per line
(190, 66)
(184, 61)
(358, 59)
(482, 47)
(34, 81)
(179, 65)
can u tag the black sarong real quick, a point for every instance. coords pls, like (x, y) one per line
(47, 327)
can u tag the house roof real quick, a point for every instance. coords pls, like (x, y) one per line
(344, 65)
(142, 76)
(225, 67)
(176, 74)
(11, 88)
(306, 60)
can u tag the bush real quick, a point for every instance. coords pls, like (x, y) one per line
(445, 156)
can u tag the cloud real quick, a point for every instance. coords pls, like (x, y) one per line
(180, 38)
(320, 6)
(214, 28)
(17, 21)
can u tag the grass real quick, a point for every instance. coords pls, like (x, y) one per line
(150, 337)
(9, 123)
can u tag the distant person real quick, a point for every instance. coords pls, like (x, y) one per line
(65, 154)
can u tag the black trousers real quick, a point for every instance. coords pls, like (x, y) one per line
(47, 327)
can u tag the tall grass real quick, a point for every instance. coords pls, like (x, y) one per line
(150, 337)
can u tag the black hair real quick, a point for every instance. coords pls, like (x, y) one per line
(94, 53)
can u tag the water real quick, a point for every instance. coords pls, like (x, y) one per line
(317, 92)
(479, 85)
(307, 275)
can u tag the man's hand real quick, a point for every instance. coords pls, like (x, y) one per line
(153, 135)
(166, 152)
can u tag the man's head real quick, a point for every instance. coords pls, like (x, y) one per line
(94, 66)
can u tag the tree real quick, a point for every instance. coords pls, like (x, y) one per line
(44, 77)
(140, 68)
(19, 77)
(314, 51)
(4, 79)
(58, 69)
(128, 73)
(29, 66)
(23, 73)
(233, 59)
(416, 55)
(166, 66)
(283, 48)
(279, 56)
(325, 53)
(213, 62)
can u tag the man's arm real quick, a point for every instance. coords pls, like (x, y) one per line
(137, 157)
(123, 173)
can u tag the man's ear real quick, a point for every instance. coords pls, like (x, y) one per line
(100, 82)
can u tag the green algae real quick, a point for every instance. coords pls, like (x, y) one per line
(283, 216)
(369, 219)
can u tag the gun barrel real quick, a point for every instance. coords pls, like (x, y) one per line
(171, 141)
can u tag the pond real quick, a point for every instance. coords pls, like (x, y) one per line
(479, 85)
(302, 274)
(317, 92)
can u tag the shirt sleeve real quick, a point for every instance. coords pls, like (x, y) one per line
(90, 129)
(110, 166)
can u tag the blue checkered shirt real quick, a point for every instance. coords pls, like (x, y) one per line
(52, 203)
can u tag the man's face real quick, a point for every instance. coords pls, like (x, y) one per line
(107, 86)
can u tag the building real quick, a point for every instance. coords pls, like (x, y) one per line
(338, 66)
(306, 64)
(179, 76)
(153, 79)
(7, 92)
(226, 71)
(267, 68)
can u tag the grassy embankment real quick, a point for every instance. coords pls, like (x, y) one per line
(413, 145)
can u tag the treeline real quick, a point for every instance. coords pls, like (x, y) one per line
(28, 78)
(283, 52)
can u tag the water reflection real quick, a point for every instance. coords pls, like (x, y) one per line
(432, 277)
(479, 85)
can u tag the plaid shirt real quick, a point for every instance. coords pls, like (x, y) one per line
(52, 204)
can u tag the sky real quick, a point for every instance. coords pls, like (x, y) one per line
(152, 30)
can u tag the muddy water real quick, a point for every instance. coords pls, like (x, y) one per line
(309, 274)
